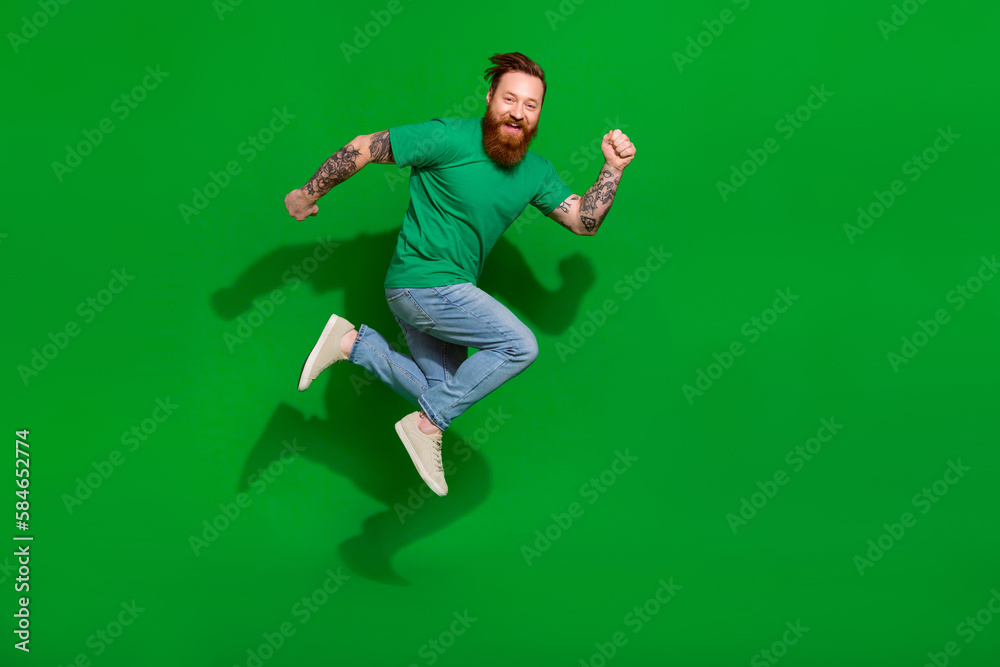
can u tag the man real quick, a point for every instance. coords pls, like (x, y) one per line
(470, 179)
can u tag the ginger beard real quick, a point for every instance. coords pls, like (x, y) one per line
(504, 147)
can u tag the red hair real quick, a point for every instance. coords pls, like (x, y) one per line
(513, 62)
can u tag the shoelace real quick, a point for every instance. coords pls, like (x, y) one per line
(436, 450)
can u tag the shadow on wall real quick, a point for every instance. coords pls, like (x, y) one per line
(358, 440)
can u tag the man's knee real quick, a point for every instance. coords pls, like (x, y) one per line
(528, 347)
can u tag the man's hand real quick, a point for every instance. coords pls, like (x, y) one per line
(618, 150)
(299, 205)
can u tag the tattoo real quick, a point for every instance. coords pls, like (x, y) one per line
(380, 148)
(564, 206)
(338, 168)
(597, 200)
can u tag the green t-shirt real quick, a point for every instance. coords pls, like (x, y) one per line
(461, 202)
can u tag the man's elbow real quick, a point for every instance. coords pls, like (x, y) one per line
(360, 148)
(586, 226)
(360, 141)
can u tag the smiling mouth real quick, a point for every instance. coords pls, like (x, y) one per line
(512, 127)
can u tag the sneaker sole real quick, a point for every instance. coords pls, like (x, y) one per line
(417, 463)
(304, 380)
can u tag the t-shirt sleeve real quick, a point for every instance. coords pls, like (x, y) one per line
(552, 192)
(427, 144)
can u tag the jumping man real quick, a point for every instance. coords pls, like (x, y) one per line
(469, 180)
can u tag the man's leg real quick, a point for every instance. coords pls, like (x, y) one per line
(369, 349)
(340, 341)
(465, 315)
(438, 359)
(430, 361)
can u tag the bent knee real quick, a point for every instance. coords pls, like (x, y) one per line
(527, 348)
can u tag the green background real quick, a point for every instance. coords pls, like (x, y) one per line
(594, 390)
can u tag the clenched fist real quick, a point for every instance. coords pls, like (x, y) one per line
(299, 205)
(618, 150)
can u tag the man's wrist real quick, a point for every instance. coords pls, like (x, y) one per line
(308, 197)
(617, 171)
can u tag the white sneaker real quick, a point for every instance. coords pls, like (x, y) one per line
(326, 352)
(424, 451)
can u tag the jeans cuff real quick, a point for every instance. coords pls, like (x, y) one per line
(431, 414)
(352, 357)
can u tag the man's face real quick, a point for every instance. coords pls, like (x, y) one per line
(511, 119)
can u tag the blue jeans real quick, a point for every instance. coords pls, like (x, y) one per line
(440, 325)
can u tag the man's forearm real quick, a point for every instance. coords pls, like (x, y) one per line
(338, 168)
(597, 200)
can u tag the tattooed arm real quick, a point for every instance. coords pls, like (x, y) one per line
(596, 202)
(348, 161)
(340, 166)
(584, 215)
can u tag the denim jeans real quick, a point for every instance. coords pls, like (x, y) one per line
(440, 324)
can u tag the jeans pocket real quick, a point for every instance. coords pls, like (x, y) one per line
(394, 294)
(408, 310)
